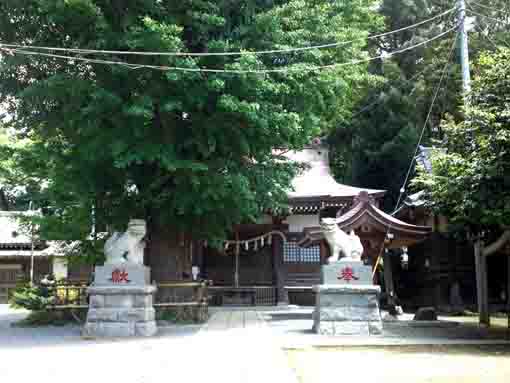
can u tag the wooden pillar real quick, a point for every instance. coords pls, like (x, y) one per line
(388, 276)
(481, 285)
(280, 272)
(198, 255)
(236, 261)
(324, 253)
(508, 291)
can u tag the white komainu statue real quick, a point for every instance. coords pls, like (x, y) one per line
(340, 242)
(127, 246)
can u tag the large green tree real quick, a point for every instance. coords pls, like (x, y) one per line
(470, 179)
(18, 189)
(374, 147)
(189, 151)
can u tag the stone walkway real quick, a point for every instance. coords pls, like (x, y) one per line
(234, 346)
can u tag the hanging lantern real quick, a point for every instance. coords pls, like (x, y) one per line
(404, 258)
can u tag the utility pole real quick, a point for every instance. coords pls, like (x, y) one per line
(480, 257)
(464, 52)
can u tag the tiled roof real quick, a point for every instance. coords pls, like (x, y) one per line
(317, 181)
(16, 242)
(365, 214)
(364, 207)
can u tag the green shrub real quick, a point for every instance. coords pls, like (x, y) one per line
(52, 318)
(34, 298)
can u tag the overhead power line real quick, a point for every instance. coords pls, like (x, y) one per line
(386, 87)
(388, 84)
(486, 35)
(402, 190)
(429, 114)
(287, 69)
(470, 10)
(237, 53)
(477, 4)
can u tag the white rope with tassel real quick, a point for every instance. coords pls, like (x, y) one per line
(262, 239)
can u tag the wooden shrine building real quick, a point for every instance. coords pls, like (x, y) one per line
(278, 260)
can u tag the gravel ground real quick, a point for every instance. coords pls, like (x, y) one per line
(240, 345)
(293, 329)
(230, 349)
(416, 364)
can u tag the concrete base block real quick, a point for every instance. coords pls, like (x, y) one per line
(348, 313)
(109, 329)
(146, 328)
(121, 310)
(342, 328)
(347, 310)
(375, 327)
(119, 329)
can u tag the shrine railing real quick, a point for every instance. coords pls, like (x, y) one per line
(182, 301)
(243, 295)
(68, 295)
(171, 294)
(181, 293)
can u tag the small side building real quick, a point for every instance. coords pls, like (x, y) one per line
(20, 253)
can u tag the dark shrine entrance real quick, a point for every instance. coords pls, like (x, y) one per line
(243, 272)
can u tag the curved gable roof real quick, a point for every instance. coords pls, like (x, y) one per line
(367, 219)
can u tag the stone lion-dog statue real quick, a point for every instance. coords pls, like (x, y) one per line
(349, 245)
(127, 246)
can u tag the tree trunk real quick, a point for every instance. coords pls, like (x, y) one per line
(4, 203)
(167, 254)
(279, 270)
(498, 244)
(481, 285)
(508, 292)
(388, 277)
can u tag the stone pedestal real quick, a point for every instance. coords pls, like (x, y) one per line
(120, 302)
(346, 303)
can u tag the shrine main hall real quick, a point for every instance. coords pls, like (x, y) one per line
(277, 260)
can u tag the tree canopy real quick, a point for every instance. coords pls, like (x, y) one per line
(185, 149)
(470, 180)
(375, 145)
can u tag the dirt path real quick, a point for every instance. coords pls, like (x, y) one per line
(416, 364)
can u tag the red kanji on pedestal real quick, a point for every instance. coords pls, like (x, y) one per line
(119, 276)
(347, 274)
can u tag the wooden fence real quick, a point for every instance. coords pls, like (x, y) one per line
(6, 290)
(243, 296)
(172, 295)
